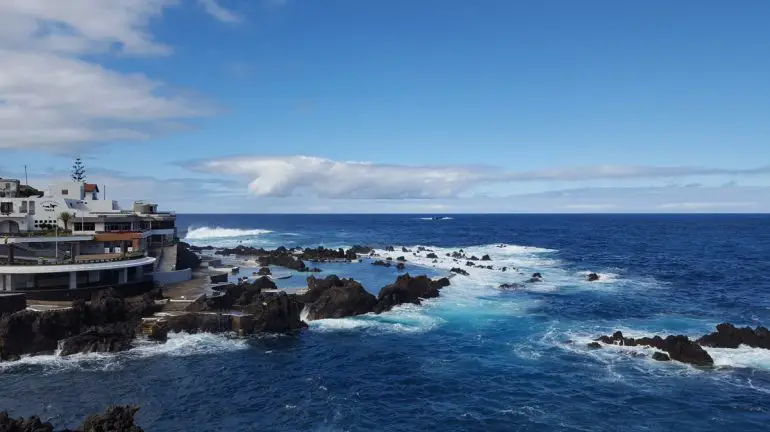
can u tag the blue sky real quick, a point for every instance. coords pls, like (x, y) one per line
(406, 106)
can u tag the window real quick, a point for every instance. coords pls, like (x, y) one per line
(23, 207)
(6, 208)
(85, 226)
(32, 207)
(65, 192)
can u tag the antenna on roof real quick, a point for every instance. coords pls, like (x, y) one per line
(26, 180)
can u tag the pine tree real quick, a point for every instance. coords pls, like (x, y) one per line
(78, 171)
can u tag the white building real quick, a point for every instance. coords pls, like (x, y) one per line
(66, 237)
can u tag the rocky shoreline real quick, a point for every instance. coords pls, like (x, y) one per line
(682, 349)
(115, 418)
(109, 323)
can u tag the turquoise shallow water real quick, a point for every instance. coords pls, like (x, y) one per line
(474, 359)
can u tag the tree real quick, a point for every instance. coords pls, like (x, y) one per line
(66, 218)
(78, 171)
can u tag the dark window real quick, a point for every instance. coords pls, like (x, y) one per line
(85, 226)
(65, 192)
(6, 208)
(32, 207)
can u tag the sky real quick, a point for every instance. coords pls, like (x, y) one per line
(405, 106)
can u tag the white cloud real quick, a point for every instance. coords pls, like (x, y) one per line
(217, 11)
(298, 175)
(285, 176)
(52, 98)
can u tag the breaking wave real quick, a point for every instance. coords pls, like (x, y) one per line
(205, 232)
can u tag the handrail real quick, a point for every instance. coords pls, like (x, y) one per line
(5, 262)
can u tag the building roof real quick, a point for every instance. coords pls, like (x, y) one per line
(91, 187)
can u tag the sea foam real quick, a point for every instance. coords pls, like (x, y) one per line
(205, 232)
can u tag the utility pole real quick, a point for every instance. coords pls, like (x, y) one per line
(26, 180)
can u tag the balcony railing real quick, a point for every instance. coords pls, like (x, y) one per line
(70, 261)
(46, 233)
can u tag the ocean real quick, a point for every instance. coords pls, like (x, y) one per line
(476, 358)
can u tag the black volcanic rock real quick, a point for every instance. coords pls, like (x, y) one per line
(361, 250)
(510, 286)
(679, 348)
(592, 277)
(264, 271)
(659, 356)
(459, 271)
(431, 255)
(486, 258)
(401, 258)
(342, 299)
(30, 424)
(381, 263)
(390, 249)
(107, 323)
(405, 250)
(407, 289)
(729, 336)
(116, 418)
(400, 266)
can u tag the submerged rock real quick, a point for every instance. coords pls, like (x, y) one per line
(381, 263)
(431, 255)
(536, 277)
(659, 356)
(400, 266)
(679, 348)
(729, 336)
(592, 277)
(594, 345)
(486, 258)
(510, 286)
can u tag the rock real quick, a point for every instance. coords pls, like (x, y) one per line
(401, 258)
(729, 336)
(486, 258)
(278, 313)
(659, 356)
(381, 263)
(388, 259)
(441, 283)
(592, 277)
(421, 249)
(594, 345)
(116, 418)
(264, 271)
(536, 277)
(510, 286)
(405, 250)
(470, 264)
(345, 298)
(679, 348)
(474, 258)
(459, 271)
(504, 269)
(407, 289)
(158, 332)
(458, 255)
(431, 255)
(400, 266)
(107, 338)
(30, 424)
(390, 249)
(361, 250)
(283, 260)
(107, 323)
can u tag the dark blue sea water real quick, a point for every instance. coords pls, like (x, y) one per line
(476, 358)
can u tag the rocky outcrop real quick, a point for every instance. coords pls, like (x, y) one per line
(486, 258)
(264, 271)
(659, 356)
(592, 277)
(507, 286)
(431, 255)
(341, 298)
(729, 336)
(115, 419)
(381, 263)
(361, 250)
(408, 289)
(286, 260)
(186, 258)
(459, 271)
(679, 348)
(400, 266)
(106, 323)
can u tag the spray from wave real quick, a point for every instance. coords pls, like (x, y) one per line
(219, 232)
